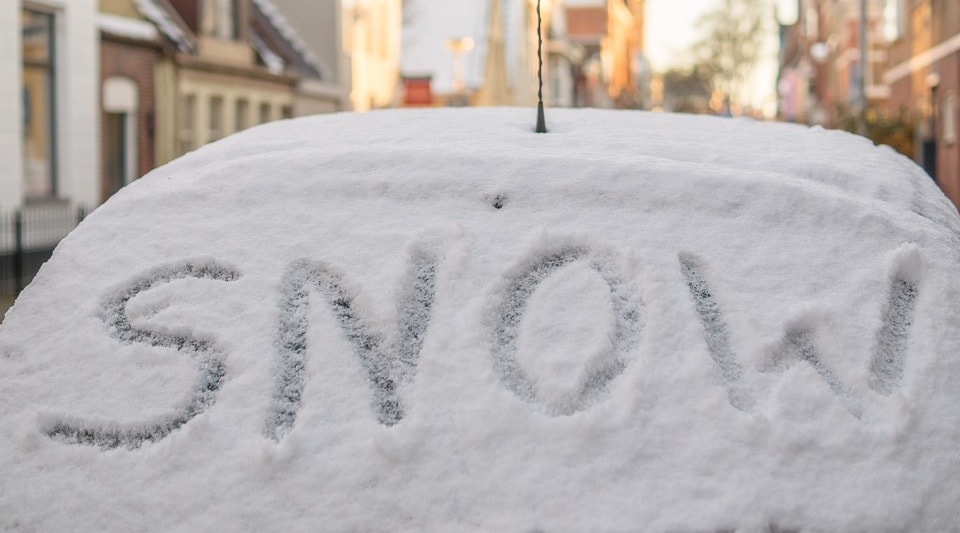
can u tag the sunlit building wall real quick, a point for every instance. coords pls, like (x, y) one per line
(372, 40)
(620, 48)
(609, 35)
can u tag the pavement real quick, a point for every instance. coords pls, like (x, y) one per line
(6, 301)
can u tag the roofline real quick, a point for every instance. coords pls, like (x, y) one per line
(252, 71)
(286, 32)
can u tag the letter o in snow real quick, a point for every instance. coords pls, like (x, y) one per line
(512, 306)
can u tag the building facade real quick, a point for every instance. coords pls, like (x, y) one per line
(131, 47)
(372, 30)
(924, 78)
(319, 23)
(49, 78)
(105, 90)
(238, 63)
(820, 59)
(607, 42)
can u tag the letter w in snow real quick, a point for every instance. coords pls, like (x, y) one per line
(887, 362)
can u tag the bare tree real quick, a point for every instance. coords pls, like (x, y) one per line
(732, 44)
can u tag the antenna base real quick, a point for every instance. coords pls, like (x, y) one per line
(541, 123)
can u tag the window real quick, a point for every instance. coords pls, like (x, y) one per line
(286, 112)
(116, 154)
(220, 19)
(39, 105)
(188, 114)
(949, 119)
(240, 115)
(265, 115)
(216, 118)
(896, 19)
(120, 101)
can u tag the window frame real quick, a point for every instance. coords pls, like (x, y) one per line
(52, 123)
(265, 113)
(215, 115)
(241, 114)
(187, 130)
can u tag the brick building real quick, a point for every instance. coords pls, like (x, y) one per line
(177, 74)
(924, 77)
(130, 48)
(820, 61)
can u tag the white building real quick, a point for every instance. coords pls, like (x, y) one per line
(49, 131)
(319, 25)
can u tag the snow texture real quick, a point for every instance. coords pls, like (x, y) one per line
(716, 334)
(440, 320)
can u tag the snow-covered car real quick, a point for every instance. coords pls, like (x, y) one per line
(440, 320)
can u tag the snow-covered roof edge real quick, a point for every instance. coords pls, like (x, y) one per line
(162, 17)
(129, 28)
(287, 32)
(271, 59)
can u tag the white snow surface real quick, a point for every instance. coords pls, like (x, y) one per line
(670, 323)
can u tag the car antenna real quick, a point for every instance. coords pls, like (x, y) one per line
(541, 123)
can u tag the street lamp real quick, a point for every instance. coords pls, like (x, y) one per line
(459, 46)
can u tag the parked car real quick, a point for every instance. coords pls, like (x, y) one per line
(441, 320)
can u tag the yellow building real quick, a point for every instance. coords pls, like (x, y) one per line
(620, 47)
(609, 35)
(225, 65)
(371, 31)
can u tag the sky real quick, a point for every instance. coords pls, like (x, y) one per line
(671, 29)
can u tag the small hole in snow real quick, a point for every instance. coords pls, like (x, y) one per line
(497, 200)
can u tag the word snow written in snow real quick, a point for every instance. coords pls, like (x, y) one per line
(390, 366)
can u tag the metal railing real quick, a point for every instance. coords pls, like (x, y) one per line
(27, 238)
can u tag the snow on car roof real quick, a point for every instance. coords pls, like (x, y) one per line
(438, 319)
